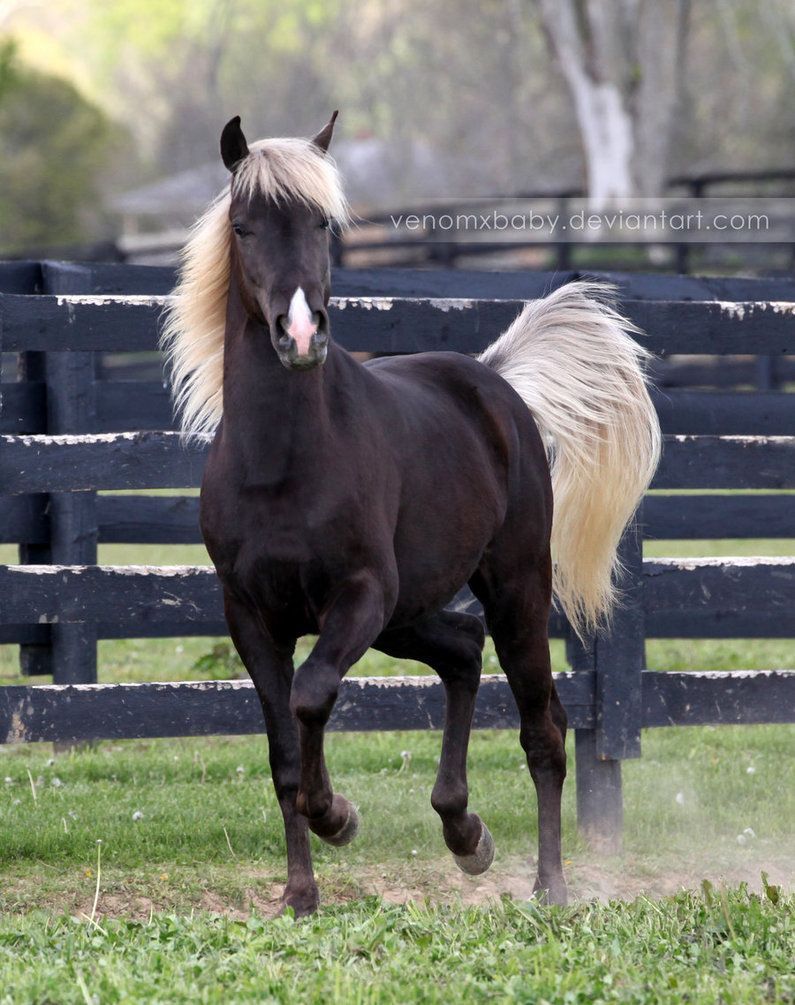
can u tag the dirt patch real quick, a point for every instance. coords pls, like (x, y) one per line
(615, 879)
(236, 893)
(618, 882)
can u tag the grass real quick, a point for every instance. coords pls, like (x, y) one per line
(188, 840)
(191, 863)
(208, 804)
(728, 947)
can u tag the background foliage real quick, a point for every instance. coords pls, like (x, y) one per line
(472, 82)
(55, 146)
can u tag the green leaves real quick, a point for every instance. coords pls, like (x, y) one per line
(773, 893)
(54, 145)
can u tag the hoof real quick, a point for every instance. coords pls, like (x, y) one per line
(303, 902)
(481, 858)
(347, 832)
(554, 892)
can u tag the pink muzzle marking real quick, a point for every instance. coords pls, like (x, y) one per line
(301, 324)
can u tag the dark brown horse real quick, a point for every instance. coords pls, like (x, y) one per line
(353, 501)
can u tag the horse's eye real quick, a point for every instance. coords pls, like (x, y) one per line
(324, 223)
(240, 230)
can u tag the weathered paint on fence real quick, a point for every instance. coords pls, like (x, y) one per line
(72, 713)
(113, 323)
(681, 598)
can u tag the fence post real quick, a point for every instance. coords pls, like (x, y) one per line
(71, 408)
(35, 658)
(73, 517)
(616, 657)
(765, 373)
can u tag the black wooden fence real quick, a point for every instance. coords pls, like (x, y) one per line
(379, 240)
(69, 432)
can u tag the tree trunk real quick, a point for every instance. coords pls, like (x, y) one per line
(618, 58)
(659, 35)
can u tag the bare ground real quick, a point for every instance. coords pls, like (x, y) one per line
(248, 888)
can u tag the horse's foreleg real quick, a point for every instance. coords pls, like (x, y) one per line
(349, 627)
(271, 670)
(451, 643)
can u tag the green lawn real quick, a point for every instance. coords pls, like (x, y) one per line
(191, 864)
(150, 871)
(696, 948)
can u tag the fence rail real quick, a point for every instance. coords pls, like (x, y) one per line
(681, 598)
(142, 519)
(74, 462)
(70, 431)
(72, 713)
(398, 325)
(124, 405)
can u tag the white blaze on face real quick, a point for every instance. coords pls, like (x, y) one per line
(301, 324)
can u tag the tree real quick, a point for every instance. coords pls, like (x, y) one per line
(622, 61)
(53, 147)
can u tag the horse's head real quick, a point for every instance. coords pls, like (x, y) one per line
(284, 196)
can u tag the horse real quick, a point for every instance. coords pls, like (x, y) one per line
(353, 501)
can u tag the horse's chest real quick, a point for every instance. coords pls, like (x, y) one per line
(279, 552)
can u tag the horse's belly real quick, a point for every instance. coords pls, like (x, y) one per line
(435, 559)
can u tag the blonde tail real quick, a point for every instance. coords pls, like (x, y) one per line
(573, 363)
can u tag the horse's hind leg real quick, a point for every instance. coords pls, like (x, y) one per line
(271, 670)
(451, 644)
(516, 599)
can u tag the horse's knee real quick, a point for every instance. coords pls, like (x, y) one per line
(286, 789)
(313, 693)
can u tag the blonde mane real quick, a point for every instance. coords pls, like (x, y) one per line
(195, 318)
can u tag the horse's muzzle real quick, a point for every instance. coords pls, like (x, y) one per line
(290, 357)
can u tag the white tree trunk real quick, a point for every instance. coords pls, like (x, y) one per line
(618, 60)
(607, 137)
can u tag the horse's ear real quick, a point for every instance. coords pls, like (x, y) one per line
(233, 144)
(323, 138)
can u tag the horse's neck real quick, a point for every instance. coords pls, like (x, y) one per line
(275, 420)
